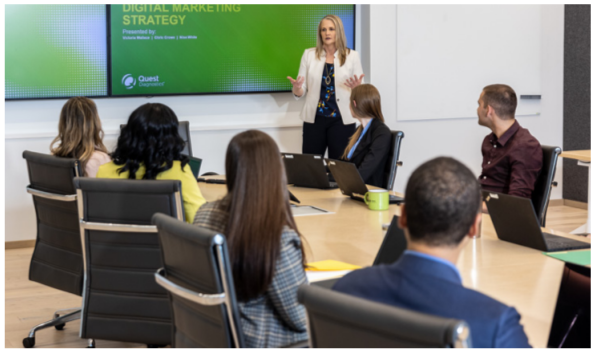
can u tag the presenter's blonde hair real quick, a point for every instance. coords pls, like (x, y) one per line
(340, 39)
(79, 131)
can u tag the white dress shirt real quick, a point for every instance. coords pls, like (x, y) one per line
(312, 71)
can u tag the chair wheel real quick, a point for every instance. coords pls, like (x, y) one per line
(60, 326)
(28, 342)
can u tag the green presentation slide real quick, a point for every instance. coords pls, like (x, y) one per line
(55, 51)
(193, 49)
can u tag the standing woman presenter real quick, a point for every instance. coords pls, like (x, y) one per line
(327, 74)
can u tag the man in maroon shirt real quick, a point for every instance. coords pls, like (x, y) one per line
(512, 157)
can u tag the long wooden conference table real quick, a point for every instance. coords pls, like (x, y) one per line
(515, 275)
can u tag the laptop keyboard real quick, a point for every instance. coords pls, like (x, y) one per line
(558, 243)
(394, 199)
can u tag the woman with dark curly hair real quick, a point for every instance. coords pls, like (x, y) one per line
(149, 147)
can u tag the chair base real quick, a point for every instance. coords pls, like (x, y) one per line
(59, 321)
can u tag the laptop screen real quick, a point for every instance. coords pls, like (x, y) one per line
(195, 165)
(393, 245)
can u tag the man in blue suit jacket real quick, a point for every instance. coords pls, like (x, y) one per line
(441, 214)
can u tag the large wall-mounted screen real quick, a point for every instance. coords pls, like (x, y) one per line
(194, 49)
(54, 51)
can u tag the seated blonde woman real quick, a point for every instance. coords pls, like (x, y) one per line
(80, 135)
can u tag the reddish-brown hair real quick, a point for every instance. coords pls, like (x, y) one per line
(367, 104)
(259, 210)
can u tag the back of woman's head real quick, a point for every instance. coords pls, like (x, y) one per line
(364, 102)
(79, 130)
(259, 210)
(150, 138)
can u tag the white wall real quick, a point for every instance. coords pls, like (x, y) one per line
(214, 119)
(461, 138)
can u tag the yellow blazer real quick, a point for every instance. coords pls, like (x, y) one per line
(192, 197)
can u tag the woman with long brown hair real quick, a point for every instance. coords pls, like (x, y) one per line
(327, 74)
(80, 135)
(264, 245)
(368, 148)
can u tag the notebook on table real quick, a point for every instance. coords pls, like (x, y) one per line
(515, 221)
(307, 170)
(350, 181)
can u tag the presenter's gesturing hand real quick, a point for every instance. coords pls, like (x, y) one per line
(354, 82)
(297, 85)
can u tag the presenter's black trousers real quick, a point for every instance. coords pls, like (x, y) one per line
(326, 132)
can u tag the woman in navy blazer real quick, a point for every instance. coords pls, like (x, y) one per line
(369, 147)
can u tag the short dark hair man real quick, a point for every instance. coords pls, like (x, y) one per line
(440, 215)
(512, 157)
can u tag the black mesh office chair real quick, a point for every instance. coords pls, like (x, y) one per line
(57, 258)
(390, 171)
(185, 134)
(542, 189)
(121, 301)
(344, 321)
(198, 276)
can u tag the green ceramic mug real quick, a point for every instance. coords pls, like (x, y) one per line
(377, 200)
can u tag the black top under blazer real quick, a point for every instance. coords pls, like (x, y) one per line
(372, 152)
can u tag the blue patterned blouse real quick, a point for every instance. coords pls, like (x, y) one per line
(327, 106)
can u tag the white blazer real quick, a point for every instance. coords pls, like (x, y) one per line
(312, 71)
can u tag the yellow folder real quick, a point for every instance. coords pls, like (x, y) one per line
(330, 265)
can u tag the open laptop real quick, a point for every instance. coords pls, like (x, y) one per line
(350, 181)
(195, 165)
(392, 247)
(307, 170)
(515, 221)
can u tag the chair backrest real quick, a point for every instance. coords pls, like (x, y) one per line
(57, 258)
(542, 189)
(392, 161)
(344, 321)
(198, 276)
(185, 134)
(121, 301)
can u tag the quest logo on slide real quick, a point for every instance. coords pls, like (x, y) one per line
(128, 81)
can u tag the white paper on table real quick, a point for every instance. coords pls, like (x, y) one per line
(305, 210)
(315, 276)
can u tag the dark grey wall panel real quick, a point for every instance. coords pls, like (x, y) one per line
(576, 98)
